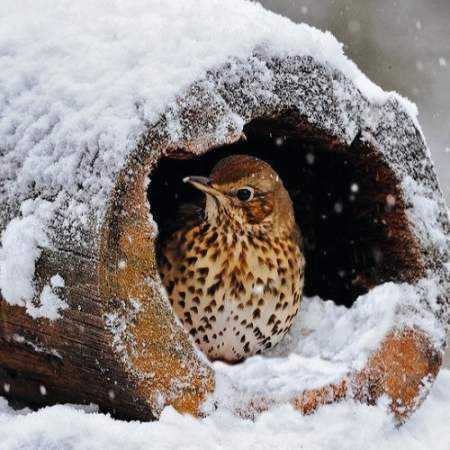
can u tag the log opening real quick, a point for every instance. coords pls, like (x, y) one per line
(346, 198)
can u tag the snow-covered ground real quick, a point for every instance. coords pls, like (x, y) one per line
(341, 426)
(61, 110)
(325, 343)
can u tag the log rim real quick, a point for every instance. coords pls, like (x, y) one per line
(364, 385)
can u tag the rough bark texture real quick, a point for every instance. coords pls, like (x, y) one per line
(401, 369)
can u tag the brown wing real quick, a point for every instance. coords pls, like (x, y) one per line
(298, 237)
(187, 216)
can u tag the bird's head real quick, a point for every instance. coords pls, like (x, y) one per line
(247, 191)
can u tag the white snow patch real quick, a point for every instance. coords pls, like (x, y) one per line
(50, 305)
(424, 214)
(21, 245)
(57, 281)
(20, 248)
(326, 342)
(347, 425)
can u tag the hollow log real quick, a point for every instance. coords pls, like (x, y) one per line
(117, 343)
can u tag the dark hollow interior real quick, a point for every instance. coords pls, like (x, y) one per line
(346, 204)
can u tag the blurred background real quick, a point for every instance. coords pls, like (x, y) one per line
(401, 45)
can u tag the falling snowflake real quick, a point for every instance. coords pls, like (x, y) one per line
(338, 207)
(310, 158)
(390, 200)
(354, 26)
(279, 141)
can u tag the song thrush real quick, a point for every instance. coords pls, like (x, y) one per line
(234, 273)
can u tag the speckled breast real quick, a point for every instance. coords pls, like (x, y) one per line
(236, 293)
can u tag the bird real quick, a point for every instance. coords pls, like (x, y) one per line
(234, 268)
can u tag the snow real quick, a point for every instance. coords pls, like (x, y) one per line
(118, 324)
(75, 100)
(50, 305)
(347, 425)
(325, 343)
(22, 243)
(57, 281)
(74, 103)
(425, 213)
(36, 348)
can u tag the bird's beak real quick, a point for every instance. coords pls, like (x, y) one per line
(202, 184)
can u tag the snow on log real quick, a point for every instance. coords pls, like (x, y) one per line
(102, 117)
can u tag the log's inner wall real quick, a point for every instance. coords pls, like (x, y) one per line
(346, 198)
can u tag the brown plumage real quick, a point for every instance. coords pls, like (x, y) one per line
(234, 274)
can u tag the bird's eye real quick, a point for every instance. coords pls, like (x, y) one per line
(245, 194)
